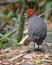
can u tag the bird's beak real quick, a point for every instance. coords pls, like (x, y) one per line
(25, 15)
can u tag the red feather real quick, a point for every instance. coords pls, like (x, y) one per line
(29, 12)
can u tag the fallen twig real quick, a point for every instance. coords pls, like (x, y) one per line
(6, 50)
(16, 57)
(47, 61)
(8, 54)
(45, 12)
(9, 34)
(22, 41)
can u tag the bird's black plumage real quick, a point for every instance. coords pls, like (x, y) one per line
(37, 29)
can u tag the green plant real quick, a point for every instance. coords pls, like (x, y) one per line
(3, 41)
(14, 42)
(6, 18)
(47, 6)
(38, 62)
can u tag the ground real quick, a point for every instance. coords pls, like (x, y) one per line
(20, 55)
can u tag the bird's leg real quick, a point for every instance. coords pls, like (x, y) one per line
(34, 46)
(38, 46)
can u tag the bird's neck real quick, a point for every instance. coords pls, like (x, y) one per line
(32, 15)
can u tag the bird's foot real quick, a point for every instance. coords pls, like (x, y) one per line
(39, 49)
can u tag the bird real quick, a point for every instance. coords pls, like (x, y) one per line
(37, 29)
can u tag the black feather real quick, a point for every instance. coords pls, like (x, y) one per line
(37, 29)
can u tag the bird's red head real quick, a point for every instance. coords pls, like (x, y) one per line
(29, 12)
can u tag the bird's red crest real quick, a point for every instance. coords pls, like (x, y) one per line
(29, 12)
